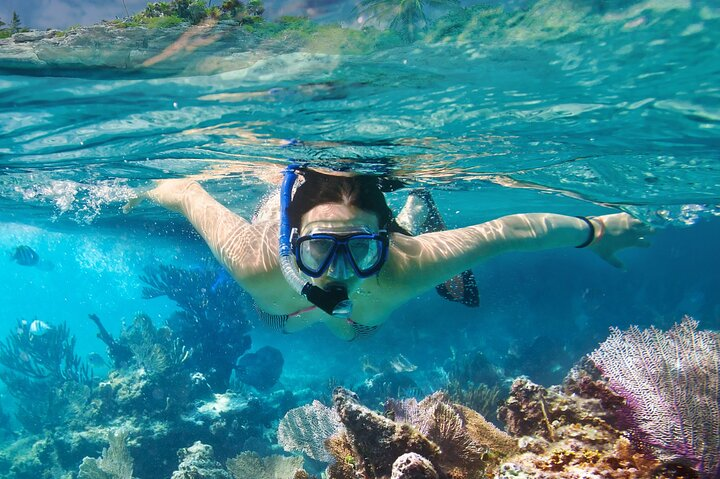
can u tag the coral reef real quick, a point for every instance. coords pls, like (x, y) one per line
(412, 465)
(306, 429)
(446, 440)
(115, 463)
(119, 353)
(250, 464)
(376, 440)
(474, 381)
(152, 393)
(670, 383)
(260, 369)
(566, 436)
(156, 381)
(42, 371)
(212, 320)
(198, 462)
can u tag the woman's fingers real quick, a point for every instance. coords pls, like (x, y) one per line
(132, 203)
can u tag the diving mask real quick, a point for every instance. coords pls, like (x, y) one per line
(340, 253)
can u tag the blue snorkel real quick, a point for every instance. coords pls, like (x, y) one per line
(333, 301)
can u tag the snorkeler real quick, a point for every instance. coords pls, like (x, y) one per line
(330, 251)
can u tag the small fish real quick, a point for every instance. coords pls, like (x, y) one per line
(401, 364)
(38, 327)
(25, 256)
(96, 360)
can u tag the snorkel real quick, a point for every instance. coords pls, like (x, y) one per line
(333, 301)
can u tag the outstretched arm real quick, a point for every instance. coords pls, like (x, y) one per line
(237, 244)
(421, 262)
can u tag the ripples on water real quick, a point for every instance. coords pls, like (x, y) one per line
(619, 107)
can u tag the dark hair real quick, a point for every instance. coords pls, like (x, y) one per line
(360, 191)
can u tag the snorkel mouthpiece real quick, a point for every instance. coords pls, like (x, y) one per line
(333, 300)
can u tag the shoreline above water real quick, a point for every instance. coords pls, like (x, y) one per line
(182, 49)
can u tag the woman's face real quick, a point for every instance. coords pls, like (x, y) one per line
(341, 219)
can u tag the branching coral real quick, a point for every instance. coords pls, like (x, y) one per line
(467, 440)
(119, 353)
(155, 350)
(115, 463)
(473, 381)
(307, 428)
(40, 370)
(249, 464)
(49, 356)
(212, 321)
(671, 383)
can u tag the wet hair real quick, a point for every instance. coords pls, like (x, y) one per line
(361, 191)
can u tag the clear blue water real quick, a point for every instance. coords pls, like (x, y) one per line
(573, 110)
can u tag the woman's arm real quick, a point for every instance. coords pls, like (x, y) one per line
(419, 263)
(240, 246)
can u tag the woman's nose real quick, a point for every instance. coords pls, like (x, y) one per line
(339, 268)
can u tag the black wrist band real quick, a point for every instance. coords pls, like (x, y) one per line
(591, 236)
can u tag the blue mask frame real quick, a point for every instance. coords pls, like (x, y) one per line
(341, 246)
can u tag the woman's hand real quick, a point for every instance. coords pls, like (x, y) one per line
(618, 231)
(166, 193)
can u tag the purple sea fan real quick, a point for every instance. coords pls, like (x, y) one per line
(671, 384)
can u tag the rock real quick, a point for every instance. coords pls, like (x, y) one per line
(33, 35)
(260, 369)
(198, 462)
(413, 466)
(378, 440)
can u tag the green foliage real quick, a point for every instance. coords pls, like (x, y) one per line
(169, 14)
(15, 23)
(233, 8)
(162, 22)
(406, 17)
(13, 28)
(334, 39)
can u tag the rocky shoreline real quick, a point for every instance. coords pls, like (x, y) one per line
(184, 49)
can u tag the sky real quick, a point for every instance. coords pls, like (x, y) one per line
(42, 14)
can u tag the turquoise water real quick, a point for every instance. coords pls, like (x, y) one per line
(572, 110)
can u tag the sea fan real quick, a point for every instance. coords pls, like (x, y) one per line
(671, 384)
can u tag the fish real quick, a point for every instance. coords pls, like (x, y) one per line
(25, 256)
(39, 328)
(96, 360)
(401, 364)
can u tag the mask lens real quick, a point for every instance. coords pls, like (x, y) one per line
(365, 252)
(314, 252)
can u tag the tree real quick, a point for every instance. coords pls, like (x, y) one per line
(15, 23)
(255, 8)
(407, 17)
(233, 8)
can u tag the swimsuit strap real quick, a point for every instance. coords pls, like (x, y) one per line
(301, 311)
(277, 322)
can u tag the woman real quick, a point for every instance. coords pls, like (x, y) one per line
(333, 253)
